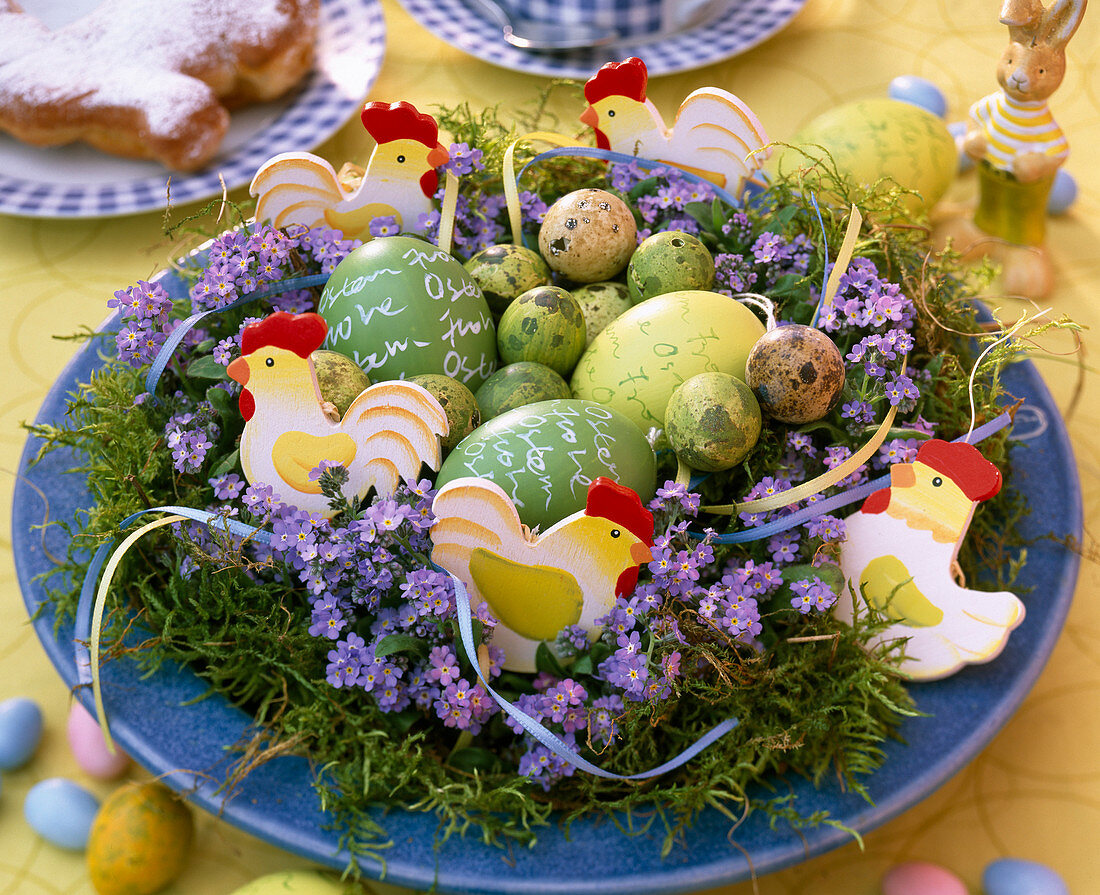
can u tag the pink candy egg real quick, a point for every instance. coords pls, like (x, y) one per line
(921, 878)
(90, 749)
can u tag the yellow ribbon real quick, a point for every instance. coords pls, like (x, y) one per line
(508, 175)
(447, 213)
(97, 615)
(843, 255)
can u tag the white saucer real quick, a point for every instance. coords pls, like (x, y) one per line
(743, 25)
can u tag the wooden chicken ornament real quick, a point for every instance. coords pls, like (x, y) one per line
(715, 135)
(400, 179)
(389, 430)
(899, 554)
(537, 584)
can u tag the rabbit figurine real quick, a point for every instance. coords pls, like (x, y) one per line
(1019, 146)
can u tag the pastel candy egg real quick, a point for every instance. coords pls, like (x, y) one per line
(20, 732)
(291, 882)
(920, 92)
(89, 747)
(518, 384)
(139, 841)
(1063, 193)
(670, 261)
(505, 272)
(601, 303)
(545, 456)
(399, 307)
(921, 878)
(957, 129)
(545, 325)
(61, 812)
(588, 235)
(636, 363)
(1015, 876)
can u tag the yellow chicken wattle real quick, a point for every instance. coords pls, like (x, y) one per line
(537, 584)
(389, 430)
(399, 180)
(714, 136)
(899, 554)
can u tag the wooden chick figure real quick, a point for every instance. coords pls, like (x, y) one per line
(899, 554)
(537, 584)
(715, 135)
(399, 181)
(1019, 147)
(389, 430)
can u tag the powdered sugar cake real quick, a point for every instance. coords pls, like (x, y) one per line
(150, 78)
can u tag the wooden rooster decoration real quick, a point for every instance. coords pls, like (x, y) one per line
(400, 178)
(715, 135)
(389, 430)
(899, 555)
(537, 584)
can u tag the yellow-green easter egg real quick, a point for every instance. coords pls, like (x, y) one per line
(292, 882)
(513, 385)
(139, 840)
(545, 455)
(399, 306)
(875, 138)
(634, 365)
(544, 325)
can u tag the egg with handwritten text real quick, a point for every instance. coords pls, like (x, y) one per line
(400, 307)
(636, 363)
(545, 455)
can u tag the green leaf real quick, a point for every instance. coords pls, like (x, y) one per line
(222, 401)
(227, 464)
(827, 572)
(473, 758)
(547, 662)
(475, 627)
(205, 367)
(583, 665)
(401, 643)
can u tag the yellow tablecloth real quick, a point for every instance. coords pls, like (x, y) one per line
(1034, 792)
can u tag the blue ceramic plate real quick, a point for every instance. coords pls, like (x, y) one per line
(739, 27)
(277, 803)
(77, 181)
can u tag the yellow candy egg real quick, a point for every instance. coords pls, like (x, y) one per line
(139, 840)
(635, 364)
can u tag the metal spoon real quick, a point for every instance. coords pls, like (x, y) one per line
(530, 34)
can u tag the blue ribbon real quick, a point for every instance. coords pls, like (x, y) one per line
(160, 362)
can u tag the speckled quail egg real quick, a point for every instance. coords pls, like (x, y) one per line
(588, 235)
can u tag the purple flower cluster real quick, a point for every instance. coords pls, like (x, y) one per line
(758, 260)
(192, 431)
(663, 197)
(812, 595)
(144, 309)
(864, 300)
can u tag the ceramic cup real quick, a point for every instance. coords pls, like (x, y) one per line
(630, 18)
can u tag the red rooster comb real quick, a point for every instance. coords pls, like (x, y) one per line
(610, 500)
(300, 333)
(964, 465)
(399, 121)
(627, 78)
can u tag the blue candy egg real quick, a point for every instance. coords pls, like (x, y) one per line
(1015, 876)
(920, 92)
(20, 731)
(1063, 193)
(61, 812)
(957, 129)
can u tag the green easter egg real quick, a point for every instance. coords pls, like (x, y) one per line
(457, 401)
(601, 303)
(399, 307)
(635, 364)
(505, 272)
(872, 139)
(517, 384)
(545, 325)
(545, 455)
(670, 261)
(340, 378)
(712, 421)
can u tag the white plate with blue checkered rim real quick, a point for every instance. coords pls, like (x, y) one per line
(77, 181)
(741, 25)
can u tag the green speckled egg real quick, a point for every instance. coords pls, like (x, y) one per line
(638, 360)
(796, 373)
(545, 325)
(457, 401)
(399, 306)
(517, 384)
(339, 377)
(671, 261)
(601, 303)
(545, 455)
(588, 235)
(505, 272)
(712, 421)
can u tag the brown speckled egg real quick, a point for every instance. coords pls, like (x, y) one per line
(588, 235)
(796, 372)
